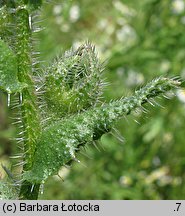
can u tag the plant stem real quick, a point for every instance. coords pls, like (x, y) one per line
(30, 116)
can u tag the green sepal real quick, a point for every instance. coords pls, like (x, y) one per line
(76, 80)
(8, 70)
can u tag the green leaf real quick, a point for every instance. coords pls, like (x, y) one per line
(8, 70)
(7, 190)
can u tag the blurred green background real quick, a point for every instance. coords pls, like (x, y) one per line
(139, 40)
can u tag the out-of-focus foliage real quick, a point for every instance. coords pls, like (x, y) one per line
(141, 40)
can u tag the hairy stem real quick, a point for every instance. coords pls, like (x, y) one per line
(30, 117)
(60, 141)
